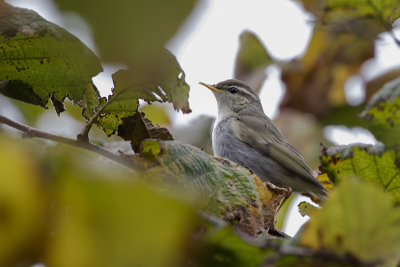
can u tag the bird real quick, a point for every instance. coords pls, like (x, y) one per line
(244, 134)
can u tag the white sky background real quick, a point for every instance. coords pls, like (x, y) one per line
(206, 48)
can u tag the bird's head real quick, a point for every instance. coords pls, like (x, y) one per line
(233, 95)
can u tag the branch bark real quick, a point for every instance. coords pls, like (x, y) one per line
(30, 132)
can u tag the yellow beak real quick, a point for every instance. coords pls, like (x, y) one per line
(211, 87)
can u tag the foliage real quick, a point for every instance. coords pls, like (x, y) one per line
(180, 206)
(40, 60)
(383, 116)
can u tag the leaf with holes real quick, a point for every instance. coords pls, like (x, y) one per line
(40, 60)
(369, 163)
(383, 114)
(163, 81)
(228, 191)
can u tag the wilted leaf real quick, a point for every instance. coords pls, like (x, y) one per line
(359, 219)
(163, 82)
(306, 208)
(372, 164)
(22, 204)
(383, 114)
(251, 61)
(127, 30)
(229, 191)
(137, 128)
(115, 222)
(40, 60)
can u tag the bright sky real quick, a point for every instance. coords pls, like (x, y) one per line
(207, 44)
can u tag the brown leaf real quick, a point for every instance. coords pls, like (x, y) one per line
(137, 128)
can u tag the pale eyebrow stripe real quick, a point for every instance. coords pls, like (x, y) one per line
(245, 91)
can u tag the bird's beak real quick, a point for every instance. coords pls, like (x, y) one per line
(211, 87)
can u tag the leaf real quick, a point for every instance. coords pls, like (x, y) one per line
(381, 13)
(342, 41)
(315, 82)
(251, 61)
(225, 248)
(306, 208)
(228, 191)
(22, 204)
(40, 60)
(137, 128)
(359, 219)
(104, 219)
(383, 114)
(369, 163)
(130, 31)
(163, 82)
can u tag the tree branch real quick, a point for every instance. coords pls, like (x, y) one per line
(32, 132)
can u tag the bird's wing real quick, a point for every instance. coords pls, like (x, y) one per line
(274, 145)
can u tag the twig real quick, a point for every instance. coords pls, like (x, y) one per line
(32, 132)
(83, 136)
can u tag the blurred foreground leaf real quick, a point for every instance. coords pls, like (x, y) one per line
(383, 114)
(252, 61)
(114, 221)
(223, 247)
(22, 204)
(40, 60)
(125, 31)
(369, 163)
(357, 219)
(227, 190)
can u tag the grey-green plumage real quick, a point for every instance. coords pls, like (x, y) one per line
(245, 135)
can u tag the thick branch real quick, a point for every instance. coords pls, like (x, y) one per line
(32, 132)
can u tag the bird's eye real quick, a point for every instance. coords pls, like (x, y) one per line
(233, 90)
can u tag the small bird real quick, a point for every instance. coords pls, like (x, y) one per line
(245, 135)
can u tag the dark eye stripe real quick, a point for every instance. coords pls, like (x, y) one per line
(233, 90)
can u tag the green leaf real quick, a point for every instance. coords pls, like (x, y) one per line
(228, 191)
(225, 248)
(22, 203)
(125, 31)
(162, 81)
(306, 208)
(383, 114)
(251, 61)
(379, 13)
(372, 164)
(40, 60)
(103, 221)
(385, 12)
(359, 219)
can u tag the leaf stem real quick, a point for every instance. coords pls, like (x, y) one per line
(30, 132)
(84, 134)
